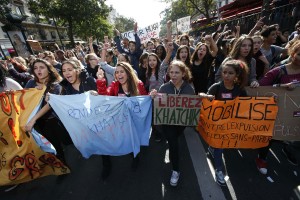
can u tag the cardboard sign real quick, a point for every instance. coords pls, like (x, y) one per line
(35, 45)
(144, 34)
(177, 109)
(245, 122)
(21, 159)
(183, 24)
(287, 124)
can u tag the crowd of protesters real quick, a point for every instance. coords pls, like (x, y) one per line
(209, 65)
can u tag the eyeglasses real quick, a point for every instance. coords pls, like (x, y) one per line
(93, 59)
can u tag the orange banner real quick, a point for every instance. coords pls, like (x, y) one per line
(245, 122)
(21, 159)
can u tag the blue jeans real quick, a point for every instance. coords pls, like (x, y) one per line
(218, 158)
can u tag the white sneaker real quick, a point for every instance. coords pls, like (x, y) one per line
(220, 178)
(174, 178)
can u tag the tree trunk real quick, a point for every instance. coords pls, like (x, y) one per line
(70, 33)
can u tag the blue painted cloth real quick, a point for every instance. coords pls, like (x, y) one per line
(105, 125)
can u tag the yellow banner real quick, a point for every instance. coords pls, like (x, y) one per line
(21, 159)
(245, 122)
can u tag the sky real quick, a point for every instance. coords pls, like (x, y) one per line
(144, 12)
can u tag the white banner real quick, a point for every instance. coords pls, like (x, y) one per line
(183, 24)
(144, 34)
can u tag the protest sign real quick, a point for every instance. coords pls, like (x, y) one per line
(287, 124)
(105, 125)
(21, 159)
(183, 24)
(144, 34)
(245, 122)
(176, 109)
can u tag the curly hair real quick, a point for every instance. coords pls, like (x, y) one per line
(183, 68)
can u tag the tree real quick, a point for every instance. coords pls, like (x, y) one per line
(124, 24)
(183, 8)
(4, 10)
(83, 17)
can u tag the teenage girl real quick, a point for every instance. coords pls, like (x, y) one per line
(234, 78)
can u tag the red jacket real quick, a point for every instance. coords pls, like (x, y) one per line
(113, 89)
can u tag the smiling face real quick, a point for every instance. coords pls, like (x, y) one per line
(93, 60)
(121, 75)
(121, 58)
(245, 48)
(41, 71)
(70, 73)
(152, 62)
(272, 37)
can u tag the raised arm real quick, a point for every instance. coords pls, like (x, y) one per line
(212, 44)
(259, 24)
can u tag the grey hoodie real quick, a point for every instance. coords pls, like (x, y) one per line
(169, 88)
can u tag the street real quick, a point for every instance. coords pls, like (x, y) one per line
(151, 179)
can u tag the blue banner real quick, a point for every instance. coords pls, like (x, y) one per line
(105, 125)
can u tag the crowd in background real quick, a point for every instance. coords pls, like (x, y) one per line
(213, 64)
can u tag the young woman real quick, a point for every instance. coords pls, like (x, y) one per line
(45, 120)
(143, 65)
(183, 54)
(243, 50)
(76, 80)
(126, 84)
(287, 76)
(262, 64)
(234, 78)
(160, 51)
(202, 59)
(180, 77)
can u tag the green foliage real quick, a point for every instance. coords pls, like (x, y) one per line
(183, 8)
(83, 17)
(124, 24)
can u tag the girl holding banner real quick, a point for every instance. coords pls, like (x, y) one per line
(45, 120)
(126, 84)
(180, 76)
(287, 76)
(234, 79)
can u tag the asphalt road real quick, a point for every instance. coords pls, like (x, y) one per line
(151, 180)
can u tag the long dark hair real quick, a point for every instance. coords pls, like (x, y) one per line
(188, 59)
(149, 71)
(132, 82)
(235, 51)
(54, 76)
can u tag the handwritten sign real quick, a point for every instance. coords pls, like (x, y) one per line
(245, 122)
(177, 109)
(21, 159)
(105, 125)
(183, 24)
(287, 124)
(144, 34)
